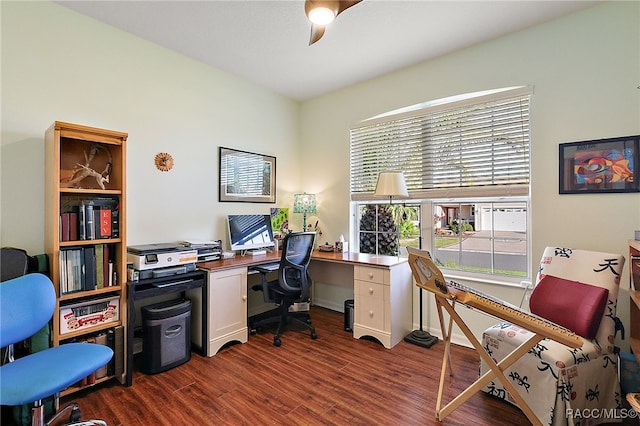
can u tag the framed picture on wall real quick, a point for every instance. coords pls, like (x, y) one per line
(246, 176)
(600, 166)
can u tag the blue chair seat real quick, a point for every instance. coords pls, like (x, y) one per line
(27, 304)
(73, 362)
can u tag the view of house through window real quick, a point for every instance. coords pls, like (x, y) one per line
(488, 237)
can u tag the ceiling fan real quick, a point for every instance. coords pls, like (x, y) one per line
(323, 12)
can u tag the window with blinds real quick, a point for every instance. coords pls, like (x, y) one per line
(466, 146)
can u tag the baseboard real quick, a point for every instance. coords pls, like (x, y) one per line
(329, 305)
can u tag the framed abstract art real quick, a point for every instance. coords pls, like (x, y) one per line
(600, 166)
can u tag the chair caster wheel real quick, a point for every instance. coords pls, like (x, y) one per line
(314, 336)
(277, 342)
(253, 331)
(75, 415)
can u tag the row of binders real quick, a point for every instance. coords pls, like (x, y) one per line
(90, 219)
(87, 268)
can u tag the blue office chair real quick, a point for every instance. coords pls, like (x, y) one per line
(292, 286)
(26, 305)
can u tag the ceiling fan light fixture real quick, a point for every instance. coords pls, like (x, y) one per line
(321, 15)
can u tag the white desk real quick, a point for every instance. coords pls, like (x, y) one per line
(382, 296)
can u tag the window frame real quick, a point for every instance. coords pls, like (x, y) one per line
(361, 193)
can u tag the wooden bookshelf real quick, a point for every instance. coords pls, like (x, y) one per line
(86, 166)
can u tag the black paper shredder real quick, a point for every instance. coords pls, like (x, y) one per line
(166, 340)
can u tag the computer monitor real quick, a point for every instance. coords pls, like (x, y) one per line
(250, 231)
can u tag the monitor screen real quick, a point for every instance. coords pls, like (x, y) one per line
(250, 231)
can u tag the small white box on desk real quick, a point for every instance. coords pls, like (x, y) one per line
(342, 247)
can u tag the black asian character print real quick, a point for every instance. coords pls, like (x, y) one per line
(563, 252)
(608, 264)
(522, 381)
(592, 394)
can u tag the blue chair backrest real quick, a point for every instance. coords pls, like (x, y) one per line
(26, 305)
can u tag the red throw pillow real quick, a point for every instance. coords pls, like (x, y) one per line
(571, 304)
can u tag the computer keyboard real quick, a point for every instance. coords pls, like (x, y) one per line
(268, 267)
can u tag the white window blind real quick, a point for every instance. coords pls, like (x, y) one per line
(246, 174)
(475, 146)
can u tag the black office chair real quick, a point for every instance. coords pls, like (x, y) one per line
(14, 262)
(292, 286)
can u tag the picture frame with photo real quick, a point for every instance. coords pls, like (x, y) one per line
(246, 177)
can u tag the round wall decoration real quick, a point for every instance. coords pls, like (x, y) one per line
(164, 161)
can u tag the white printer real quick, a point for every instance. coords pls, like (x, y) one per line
(161, 259)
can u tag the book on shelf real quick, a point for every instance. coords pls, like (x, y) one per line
(101, 339)
(99, 248)
(115, 222)
(105, 222)
(90, 230)
(86, 268)
(106, 260)
(73, 226)
(64, 226)
(115, 337)
(82, 234)
(89, 268)
(62, 269)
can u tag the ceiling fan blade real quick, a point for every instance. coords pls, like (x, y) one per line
(317, 31)
(346, 5)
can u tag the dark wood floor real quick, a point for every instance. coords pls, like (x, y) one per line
(334, 380)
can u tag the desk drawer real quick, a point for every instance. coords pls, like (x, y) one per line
(373, 275)
(370, 304)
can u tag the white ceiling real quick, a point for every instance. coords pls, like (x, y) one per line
(266, 41)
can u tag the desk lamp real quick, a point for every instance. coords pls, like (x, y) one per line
(305, 204)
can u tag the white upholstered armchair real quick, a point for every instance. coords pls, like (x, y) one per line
(579, 290)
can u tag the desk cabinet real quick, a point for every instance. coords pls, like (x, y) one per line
(383, 288)
(382, 303)
(226, 301)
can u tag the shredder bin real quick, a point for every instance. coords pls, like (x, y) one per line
(348, 314)
(166, 339)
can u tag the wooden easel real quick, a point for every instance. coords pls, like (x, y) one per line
(447, 295)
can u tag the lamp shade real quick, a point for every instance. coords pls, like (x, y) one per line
(304, 203)
(391, 184)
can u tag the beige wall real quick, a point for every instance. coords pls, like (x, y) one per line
(59, 65)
